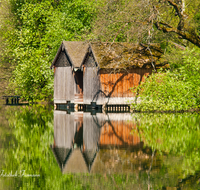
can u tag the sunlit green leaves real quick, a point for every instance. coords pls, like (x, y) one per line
(177, 89)
(39, 28)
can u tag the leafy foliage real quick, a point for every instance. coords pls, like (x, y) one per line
(177, 89)
(39, 28)
(32, 30)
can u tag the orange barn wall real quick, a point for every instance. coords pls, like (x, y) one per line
(118, 84)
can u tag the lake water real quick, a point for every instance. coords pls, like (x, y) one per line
(43, 148)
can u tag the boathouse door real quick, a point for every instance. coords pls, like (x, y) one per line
(78, 75)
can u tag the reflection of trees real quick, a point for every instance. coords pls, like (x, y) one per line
(33, 131)
(175, 135)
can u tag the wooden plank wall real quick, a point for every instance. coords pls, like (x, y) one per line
(63, 85)
(102, 130)
(91, 85)
(118, 84)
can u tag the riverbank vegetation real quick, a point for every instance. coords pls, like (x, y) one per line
(177, 89)
(31, 32)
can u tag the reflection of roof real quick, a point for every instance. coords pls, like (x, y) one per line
(61, 155)
(122, 161)
(89, 156)
(74, 161)
(125, 55)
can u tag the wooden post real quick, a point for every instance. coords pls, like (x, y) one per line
(17, 100)
(7, 101)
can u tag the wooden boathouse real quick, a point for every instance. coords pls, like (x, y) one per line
(101, 73)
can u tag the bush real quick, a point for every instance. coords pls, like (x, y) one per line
(177, 89)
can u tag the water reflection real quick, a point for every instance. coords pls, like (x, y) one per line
(143, 151)
(96, 143)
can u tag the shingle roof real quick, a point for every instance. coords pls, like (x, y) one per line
(76, 52)
(126, 55)
(61, 155)
(114, 55)
(75, 163)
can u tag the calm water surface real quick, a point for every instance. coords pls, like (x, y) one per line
(42, 148)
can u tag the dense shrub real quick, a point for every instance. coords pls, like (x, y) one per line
(174, 90)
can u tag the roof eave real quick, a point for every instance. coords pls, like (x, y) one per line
(90, 48)
(56, 57)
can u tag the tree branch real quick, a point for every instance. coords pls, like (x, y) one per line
(180, 14)
(192, 37)
(175, 7)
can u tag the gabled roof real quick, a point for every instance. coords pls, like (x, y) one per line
(116, 55)
(126, 55)
(75, 50)
(89, 156)
(73, 160)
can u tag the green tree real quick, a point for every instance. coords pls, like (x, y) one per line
(178, 89)
(39, 28)
(183, 15)
(148, 21)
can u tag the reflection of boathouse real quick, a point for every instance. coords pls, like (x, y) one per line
(81, 139)
(101, 72)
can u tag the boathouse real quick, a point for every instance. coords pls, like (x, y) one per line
(102, 73)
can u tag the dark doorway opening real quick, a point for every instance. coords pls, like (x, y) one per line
(78, 75)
